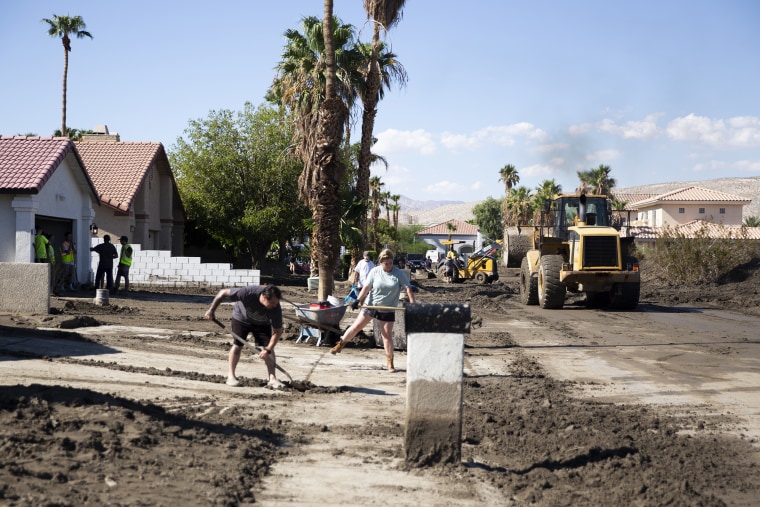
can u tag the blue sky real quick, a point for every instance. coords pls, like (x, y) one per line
(661, 91)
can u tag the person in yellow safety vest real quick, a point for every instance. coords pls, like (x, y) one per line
(68, 250)
(40, 246)
(125, 262)
(54, 271)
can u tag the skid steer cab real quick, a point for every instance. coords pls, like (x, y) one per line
(575, 248)
(480, 266)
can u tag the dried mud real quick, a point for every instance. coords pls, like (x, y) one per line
(524, 434)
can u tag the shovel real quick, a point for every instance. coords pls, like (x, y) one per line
(251, 344)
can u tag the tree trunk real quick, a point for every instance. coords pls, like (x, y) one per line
(368, 127)
(66, 43)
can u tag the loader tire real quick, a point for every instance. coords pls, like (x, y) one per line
(528, 285)
(481, 277)
(551, 291)
(625, 296)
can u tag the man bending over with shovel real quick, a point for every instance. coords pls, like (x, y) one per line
(256, 310)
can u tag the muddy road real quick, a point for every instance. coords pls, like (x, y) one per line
(126, 405)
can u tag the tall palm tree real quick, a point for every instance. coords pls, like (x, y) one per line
(64, 27)
(508, 175)
(382, 69)
(597, 180)
(314, 81)
(375, 186)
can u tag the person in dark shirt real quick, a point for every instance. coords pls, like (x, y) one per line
(107, 253)
(257, 311)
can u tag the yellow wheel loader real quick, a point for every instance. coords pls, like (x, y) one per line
(480, 266)
(577, 249)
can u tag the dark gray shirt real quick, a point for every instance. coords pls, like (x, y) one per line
(249, 310)
(106, 252)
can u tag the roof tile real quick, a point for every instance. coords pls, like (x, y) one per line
(118, 169)
(27, 162)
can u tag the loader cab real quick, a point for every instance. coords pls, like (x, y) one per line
(570, 210)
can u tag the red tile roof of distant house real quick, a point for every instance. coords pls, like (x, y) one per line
(462, 229)
(28, 162)
(693, 194)
(696, 228)
(118, 169)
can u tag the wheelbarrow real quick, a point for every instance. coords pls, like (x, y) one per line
(317, 319)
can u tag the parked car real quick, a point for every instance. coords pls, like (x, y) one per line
(415, 261)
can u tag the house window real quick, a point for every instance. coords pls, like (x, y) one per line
(681, 210)
(722, 211)
(701, 211)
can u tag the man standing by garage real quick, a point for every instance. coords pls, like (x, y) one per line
(125, 262)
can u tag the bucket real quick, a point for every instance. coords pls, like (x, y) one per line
(101, 297)
(312, 283)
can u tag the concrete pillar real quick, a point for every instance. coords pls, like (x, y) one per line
(25, 207)
(435, 369)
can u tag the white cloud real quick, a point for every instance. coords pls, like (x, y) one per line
(445, 188)
(641, 129)
(750, 166)
(537, 170)
(394, 141)
(603, 155)
(476, 185)
(739, 131)
(507, 135)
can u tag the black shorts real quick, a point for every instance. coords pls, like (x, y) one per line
(381, 316)
(262, 333)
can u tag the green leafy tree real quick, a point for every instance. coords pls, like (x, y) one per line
(73, 134)
(752, 221)
(64, 27)
(237, 181)
(546, 191)
(488, 217)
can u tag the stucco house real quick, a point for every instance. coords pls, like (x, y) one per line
(43, 181)
(468, 234)
(687, 204)
(138, 194)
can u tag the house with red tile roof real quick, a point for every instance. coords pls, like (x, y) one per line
(138, 194)
(43, 181)
(468, 234)
(686, 205)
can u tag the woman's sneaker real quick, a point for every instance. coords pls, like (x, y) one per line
(276, 385)
(232, 381)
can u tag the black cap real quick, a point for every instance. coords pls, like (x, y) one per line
(123, 238)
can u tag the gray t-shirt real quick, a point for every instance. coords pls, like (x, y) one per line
(249, 310)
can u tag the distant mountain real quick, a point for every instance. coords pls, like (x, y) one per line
(435, 212)
(408, 204)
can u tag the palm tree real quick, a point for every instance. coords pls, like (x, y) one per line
(519, 205)
(375, 186)
(451, 227)
(64, 27)
(598, 180)
(314, 80)
(752, 221)
(381, 70)
(545, 192)
(508, 175)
